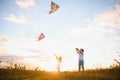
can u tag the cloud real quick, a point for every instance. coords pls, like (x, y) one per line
(109, 18)
(21, 19)
(106, 25)
(103, 24)
(26, 4)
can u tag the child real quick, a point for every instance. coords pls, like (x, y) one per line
(59, 59)
(81, 58)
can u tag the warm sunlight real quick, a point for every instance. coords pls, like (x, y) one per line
(32, 32)
(59, 39)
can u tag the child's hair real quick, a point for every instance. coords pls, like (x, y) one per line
(82, 50)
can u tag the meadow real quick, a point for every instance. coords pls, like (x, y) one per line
(100, 74)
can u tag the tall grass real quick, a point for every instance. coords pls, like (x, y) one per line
(102, 74)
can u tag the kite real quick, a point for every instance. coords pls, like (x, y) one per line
(41, 37)
(54, 7)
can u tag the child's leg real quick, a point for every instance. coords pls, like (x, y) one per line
(79, 65)
(82, 63)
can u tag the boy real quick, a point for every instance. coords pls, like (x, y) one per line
(81, 58)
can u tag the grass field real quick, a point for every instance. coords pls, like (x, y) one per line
(102, 74)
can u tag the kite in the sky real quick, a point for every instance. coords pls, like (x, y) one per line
(54, 7)
(41, 37)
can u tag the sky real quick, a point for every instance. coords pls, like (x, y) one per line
(93, 25)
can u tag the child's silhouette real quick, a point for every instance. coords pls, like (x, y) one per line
(59, 59)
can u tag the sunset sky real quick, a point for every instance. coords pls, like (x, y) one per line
(93, 25)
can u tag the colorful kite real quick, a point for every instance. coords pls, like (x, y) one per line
(54, 7)
(41, 37)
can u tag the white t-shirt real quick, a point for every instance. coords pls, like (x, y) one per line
(81, 58)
